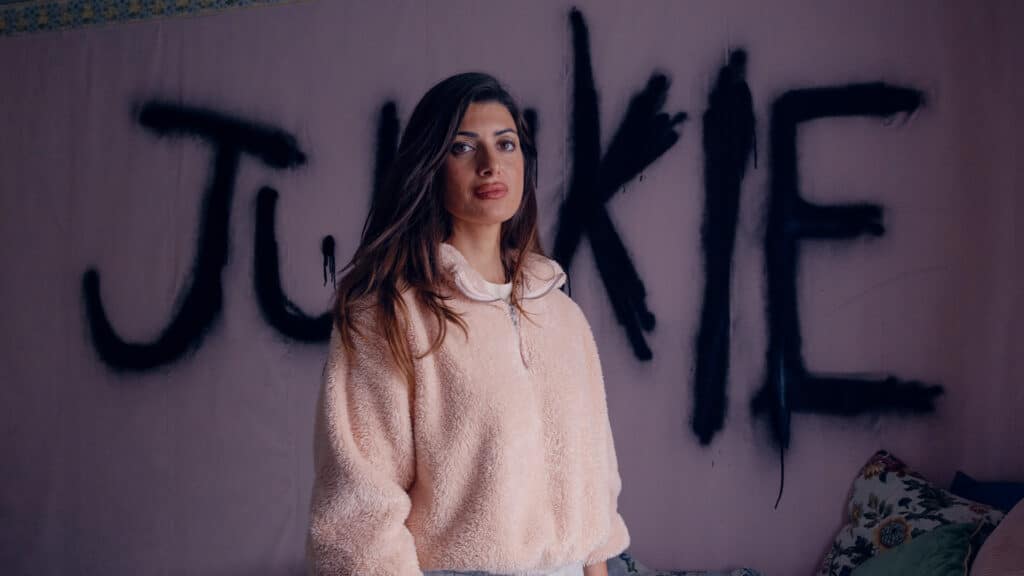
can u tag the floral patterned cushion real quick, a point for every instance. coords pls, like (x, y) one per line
(891, 504)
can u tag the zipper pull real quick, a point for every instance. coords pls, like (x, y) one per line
(514, 315)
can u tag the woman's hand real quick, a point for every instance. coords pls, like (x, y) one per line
(599, 569)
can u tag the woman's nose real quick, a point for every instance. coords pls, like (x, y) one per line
(487, 161)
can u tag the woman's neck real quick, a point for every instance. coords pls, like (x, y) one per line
(483, 252)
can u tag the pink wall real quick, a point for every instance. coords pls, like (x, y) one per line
(204, 466)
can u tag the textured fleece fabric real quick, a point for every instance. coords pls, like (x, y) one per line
(499, 456)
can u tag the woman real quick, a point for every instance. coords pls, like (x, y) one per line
(482, 446)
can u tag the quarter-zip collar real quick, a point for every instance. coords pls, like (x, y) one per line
(541, 275)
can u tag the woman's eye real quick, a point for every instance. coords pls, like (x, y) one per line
(508, 145)
(460, 147)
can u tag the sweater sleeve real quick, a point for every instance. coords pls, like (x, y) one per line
(618, 534)
(364, 466)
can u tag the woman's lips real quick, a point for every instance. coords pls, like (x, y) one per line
(490, 191)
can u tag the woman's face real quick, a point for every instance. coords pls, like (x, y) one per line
(484, 168)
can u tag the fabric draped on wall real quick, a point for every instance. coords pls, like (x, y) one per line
(174, 193)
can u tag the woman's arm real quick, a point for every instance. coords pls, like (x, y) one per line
(365, 465)
(618, 533)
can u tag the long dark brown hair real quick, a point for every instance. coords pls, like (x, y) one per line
(408, 221)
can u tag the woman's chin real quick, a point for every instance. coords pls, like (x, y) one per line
(493, 218)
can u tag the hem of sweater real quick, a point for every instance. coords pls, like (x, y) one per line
(571, 567)
(611, 556)
(550, 571)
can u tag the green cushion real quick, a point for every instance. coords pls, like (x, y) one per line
(941, 552)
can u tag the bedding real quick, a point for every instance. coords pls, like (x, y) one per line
(1001, 495)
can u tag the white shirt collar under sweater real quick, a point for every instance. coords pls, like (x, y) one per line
(503, 291)
(541, 275)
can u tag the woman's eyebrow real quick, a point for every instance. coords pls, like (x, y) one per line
(475, 135)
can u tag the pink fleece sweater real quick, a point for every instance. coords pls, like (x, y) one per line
(499, 458)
